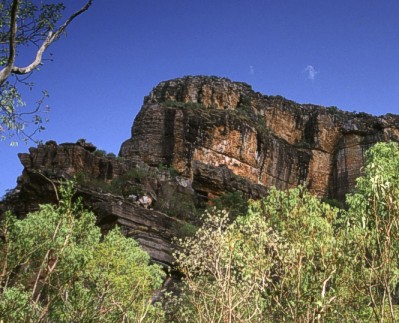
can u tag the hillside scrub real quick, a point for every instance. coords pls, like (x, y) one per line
(293, 258)
(288, 257)
(56, 267)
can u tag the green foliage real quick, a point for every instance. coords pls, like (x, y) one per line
(13, 123)
(233, 202)
(183, 230)
(225, 272)
(94, 183)
(100, 153)
(304, 144)
(275, 263)
(34, 22)
(15, 305)
(244, 108)
(178, 205)
(130, 182)
(294, 258)
(170, 169)
(124, 280)
(307, 288)
(248, 114)
(261, 126)
(245, 102)
(55, 268)
(103, 153)
(362, 115)
(38, 25)
(333, 109)
(286, 258)
(334, 203)
(373, 228)
(125, 185)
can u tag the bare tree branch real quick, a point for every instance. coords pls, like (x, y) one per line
(51, 37)
(7, 70)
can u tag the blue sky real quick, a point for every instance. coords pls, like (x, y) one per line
(333, 53)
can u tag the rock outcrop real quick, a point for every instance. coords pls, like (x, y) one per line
(194, 123)
(194, 139)
(118, 191)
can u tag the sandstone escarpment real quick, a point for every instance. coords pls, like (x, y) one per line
(269, 140)
(140, 207)
(196, 138)
(150, 204)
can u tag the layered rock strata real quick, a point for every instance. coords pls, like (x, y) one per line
(195, 121)
(150, 204)
(196, 138)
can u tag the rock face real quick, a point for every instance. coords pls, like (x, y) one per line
(196, 138)
(197, 123)
(137, 212)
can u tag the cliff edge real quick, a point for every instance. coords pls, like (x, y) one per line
(197, 138)
(199, 122)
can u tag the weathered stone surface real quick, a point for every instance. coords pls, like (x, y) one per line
(69, 159)
(267, 140)
(220, 136)
(152, 229)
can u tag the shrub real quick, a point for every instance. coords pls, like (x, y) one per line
(57, 268)
(111, 155)
(293, 258)
(127, 184)
(184, 230)
(233, 202)
(178, 205)
(373, 230)
(170, 169)
(100, 153)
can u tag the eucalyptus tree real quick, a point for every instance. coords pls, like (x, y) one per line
(24, 24)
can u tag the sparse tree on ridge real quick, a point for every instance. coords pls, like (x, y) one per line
(24, 23)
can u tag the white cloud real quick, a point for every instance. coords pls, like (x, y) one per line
(251, 69)
(311, 72)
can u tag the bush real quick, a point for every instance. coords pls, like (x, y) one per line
(293, 258)
(178, 205)
(111, 155)
(185, 230)
(373, 230)
(127, 184)
(170, 169)
(233, 202)
(221, 280)
(57, 268)
(186, 105)
(100, 153)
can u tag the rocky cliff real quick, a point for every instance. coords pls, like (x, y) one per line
(197, 123)
(196, 138)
